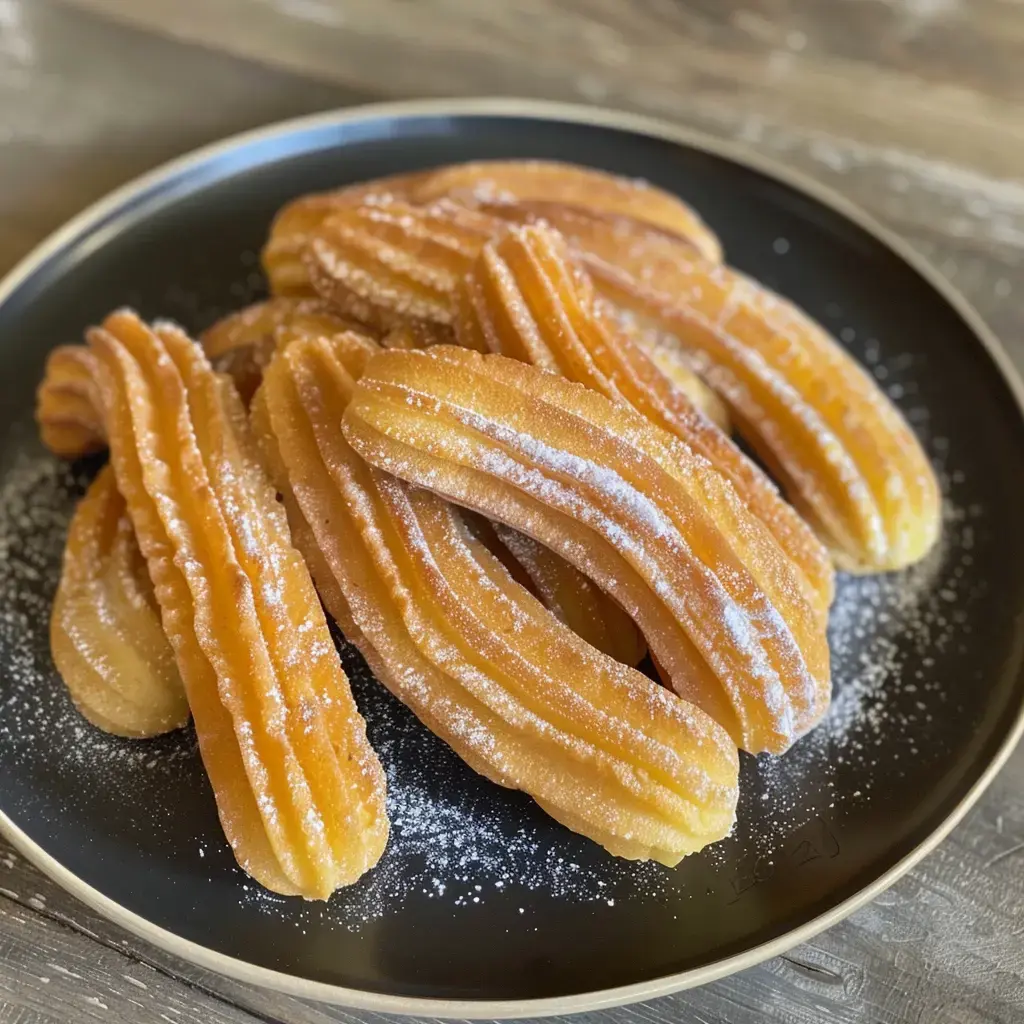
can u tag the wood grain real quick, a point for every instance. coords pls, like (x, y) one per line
(938, 76)
(912, 108)
(85, 105)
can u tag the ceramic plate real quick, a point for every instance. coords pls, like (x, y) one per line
(482, 905)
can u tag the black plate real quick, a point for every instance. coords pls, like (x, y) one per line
(480, 899)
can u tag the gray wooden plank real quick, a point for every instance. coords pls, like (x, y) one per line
(49, 971)
(936, 77)
(84, 106)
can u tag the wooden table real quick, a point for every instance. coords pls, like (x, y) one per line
(912, 108)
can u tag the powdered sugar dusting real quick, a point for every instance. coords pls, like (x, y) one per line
(36, 501)
(457, 840)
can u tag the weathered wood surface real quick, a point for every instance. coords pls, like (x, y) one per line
(912, 108)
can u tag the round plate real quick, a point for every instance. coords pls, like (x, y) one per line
(482, 905)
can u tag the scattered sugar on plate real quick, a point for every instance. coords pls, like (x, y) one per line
(456, 839)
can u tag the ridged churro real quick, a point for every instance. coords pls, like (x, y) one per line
(487, 181)
(844, 454)
(721, 606)
(105, 631)
(67, 409)
(398, 268)
(282, 256)
(299, 791)
(483, 664)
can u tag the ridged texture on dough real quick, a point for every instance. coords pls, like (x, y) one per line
(846, 457)
(635, 246)
(525, 298)
(105, 632)
(479, 660)
(282, 255)
(603, 194)
(398, 268)
(721, 606)
(299, 791)
(242, 343)
(389, 264)
(67, 410)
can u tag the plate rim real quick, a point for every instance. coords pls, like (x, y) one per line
(504, 107)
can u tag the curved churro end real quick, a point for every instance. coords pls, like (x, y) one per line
(626, 242)
(70, 423)
(846, 457)
(105, 631)
(486, 182)
(281, 256)
(387, 263)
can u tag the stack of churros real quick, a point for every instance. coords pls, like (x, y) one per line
(485, 422)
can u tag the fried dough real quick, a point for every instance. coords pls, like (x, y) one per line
(299, 791)
(721, 606)
(480, 661)
(105, 632)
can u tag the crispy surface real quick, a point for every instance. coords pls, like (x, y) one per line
(846, 457)
(299, 791)
(489, 181)
(482, 663)
(634, 245)
(387, 263)
(398, 268)
(67, 404)
(267, 326)
(105, 632)
(282, 254)
(525, 298)
(721, 606)
(70, 423)
(242, 343)
(567, 592)
(478, 184)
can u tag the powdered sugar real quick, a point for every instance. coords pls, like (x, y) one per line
(457, 840)
(37, 498)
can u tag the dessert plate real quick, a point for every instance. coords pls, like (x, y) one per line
(482, 906)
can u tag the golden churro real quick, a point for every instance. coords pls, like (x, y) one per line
(282, 256)
(845, 456)
(299, 791)
(488, 181)
(483, 664)
(721, 606)
(105, 630)
(67, 411)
